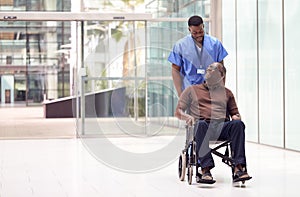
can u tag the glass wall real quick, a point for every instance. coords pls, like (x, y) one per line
(115, 83)
(116, 54)
(240, 23)
(35, 5)
(291, 70)
(178, 8)
(35, 53)
(266, 56)
(228, 33)
(247, 66)
(127, 68)
(270, 72)
(45, 71)
(130, 58)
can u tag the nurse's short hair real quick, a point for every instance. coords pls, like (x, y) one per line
(195, 21)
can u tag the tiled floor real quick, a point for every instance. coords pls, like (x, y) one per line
(20, 122)
(68, 168)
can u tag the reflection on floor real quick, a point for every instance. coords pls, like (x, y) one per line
(21, 122)
(75, 168)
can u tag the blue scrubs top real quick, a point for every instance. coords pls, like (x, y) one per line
(193, 61)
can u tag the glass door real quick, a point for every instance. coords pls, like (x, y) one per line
(114, 84)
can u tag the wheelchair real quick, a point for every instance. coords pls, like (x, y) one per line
(188, 157)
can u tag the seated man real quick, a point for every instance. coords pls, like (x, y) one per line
(212, 105)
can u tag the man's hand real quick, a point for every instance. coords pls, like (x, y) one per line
(236, 117)
(190, 120)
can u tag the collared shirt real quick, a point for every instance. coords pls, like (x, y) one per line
(194, 61)
(208, 104)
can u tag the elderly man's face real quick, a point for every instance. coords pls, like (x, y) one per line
(213, 75)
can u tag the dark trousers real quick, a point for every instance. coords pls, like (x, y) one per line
(218, 130)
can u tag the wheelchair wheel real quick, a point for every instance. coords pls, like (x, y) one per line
(190, 174)
(182, 166)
